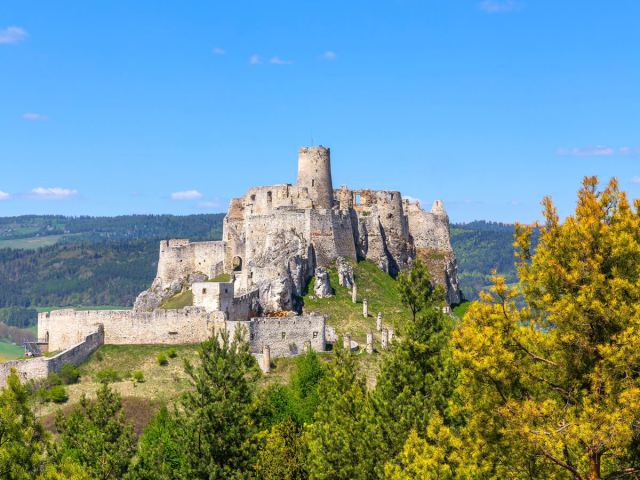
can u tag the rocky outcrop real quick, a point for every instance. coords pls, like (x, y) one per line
(345, 272)
(322, 287)
(151, 299)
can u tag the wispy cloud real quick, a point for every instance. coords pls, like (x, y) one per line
(255, 59)
(12, 35)
(598, 151)
(4, 195)
(329, 55)
(219, 51)
(499, 6)
(636, 180)
(279, 61)
(53, 193)
(186, 195)
(34, 117)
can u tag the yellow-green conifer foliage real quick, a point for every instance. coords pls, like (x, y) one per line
(550, 389)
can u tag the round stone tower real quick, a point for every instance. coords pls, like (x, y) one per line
(314, 172)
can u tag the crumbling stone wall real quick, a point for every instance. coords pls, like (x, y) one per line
(286, 336)
(40, 367)
(179, 258)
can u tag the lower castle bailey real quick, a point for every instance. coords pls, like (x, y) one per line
(274, 238)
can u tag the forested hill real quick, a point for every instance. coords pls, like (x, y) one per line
(481, 247)
(69, 261)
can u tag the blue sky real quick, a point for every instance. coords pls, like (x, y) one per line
(114, 107)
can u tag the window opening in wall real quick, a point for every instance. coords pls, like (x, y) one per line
(204, 290)
(315, 334)
(226, 290)
(313, 183)
(253, 197)
(284, 335)
(268, 196)
(357, 199)
(173, 333)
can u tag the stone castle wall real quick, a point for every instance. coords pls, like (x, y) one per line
(285, 336)
(314, 173)
(179, 258)
(40, 367)
(63, 328)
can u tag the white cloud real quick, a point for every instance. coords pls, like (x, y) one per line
(499, 6)
(186, 195)
(11, 35)
(329, 55)
(219, 51)
(34, 117)
(53, 193)
(4, 195)
(279, 61)
(636, 180)
(255, 59)
(597, 151)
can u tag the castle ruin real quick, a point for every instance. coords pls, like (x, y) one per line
(274, 239)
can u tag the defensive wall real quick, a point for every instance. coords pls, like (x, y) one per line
(285, 336)
(178, 258)
(63, 328)
(40, 367)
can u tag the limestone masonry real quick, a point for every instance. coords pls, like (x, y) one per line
(275, 238)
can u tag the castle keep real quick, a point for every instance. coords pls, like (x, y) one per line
(275, 238)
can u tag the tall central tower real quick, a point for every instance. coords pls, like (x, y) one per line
(314, 172)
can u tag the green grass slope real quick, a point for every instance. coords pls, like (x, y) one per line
(377, 287)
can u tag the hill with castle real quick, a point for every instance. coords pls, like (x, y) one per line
(275, 240)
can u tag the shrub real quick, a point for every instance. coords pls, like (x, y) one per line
(138, 376)
(69, 374)
(53, 379)
(107, 375)
(162, 359)
(99, 356)
(57, 394)
(172, 353)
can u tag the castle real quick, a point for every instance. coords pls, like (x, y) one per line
(275, 238)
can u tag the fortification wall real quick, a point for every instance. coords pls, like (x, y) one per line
(40, 367)
(123, 327)
(429, 230)
(343, 234)
(285, 336)
(179, 258)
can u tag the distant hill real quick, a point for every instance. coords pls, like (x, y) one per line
(93, 261)
(481, 247)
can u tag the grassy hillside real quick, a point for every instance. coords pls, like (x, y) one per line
(379, 288)
(9, 351)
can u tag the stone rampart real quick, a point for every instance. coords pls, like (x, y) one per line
(285, 336)
(63, 328)
(179, 258)
(40, 367)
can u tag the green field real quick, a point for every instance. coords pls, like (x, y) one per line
(31, 243)
(9, 351)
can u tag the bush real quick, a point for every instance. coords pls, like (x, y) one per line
(172, 353)
(162, 359)
(138, 376)
(53, 379)
(57, 394)
(99, 356)
(108, 375)
(69, 374)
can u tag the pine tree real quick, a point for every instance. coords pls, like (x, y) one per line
(339, 442)
(96, 435)
(551, 389)
(23, 442)
(216, 416)
(282, 453)
(161, 454)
